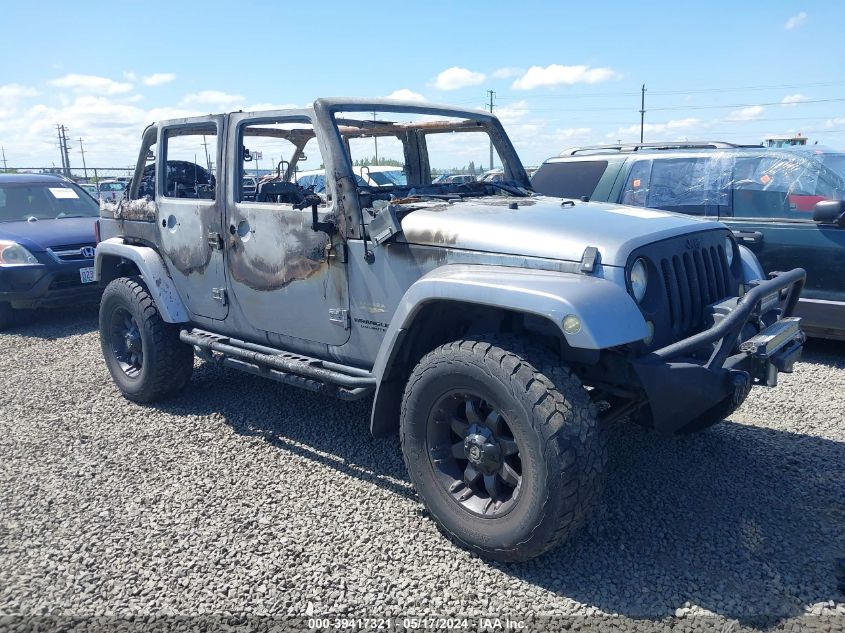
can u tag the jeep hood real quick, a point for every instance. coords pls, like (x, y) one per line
(544, 227)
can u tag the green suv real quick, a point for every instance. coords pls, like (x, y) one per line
(785, 205)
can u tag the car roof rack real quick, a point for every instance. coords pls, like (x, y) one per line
(635, 147)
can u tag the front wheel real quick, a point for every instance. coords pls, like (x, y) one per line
(143, 353)
(502, 445)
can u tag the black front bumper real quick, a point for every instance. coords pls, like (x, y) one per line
(682, 383)
(27, 287)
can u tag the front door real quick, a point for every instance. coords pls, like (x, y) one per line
(189, 216)
(287, 278)
(771, 212)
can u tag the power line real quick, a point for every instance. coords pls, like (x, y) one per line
(749, 105)
(683, 107)
(677, 91)
(491, 94)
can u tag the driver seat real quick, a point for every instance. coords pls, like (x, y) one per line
(279, 191)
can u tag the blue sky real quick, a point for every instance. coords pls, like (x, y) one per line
(564, 73)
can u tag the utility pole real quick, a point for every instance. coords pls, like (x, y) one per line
(642, 115)
(207, 159)
(375, 138)
(3, 150)
(65, 151)
(84, 168)
(62, 132)
(61, 147)
(491, 94)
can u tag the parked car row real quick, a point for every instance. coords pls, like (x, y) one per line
(768, 196)
(108, 190)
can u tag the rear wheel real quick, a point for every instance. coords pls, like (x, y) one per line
(502, 445)
(143, 353)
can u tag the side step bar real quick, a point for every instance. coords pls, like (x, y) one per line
(341, 381)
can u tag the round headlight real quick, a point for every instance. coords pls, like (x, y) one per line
(729, 250)
(639, 279)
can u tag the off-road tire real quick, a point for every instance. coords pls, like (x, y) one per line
(562, 448)
(8, 316)
(167, 362)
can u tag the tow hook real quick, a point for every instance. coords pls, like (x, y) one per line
(741, 383)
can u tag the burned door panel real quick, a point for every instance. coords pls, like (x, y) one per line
(189, 213)
(287, 278)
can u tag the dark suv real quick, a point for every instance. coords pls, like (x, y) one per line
(768, 197)
(46, 244)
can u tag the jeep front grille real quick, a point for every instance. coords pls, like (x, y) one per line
(693, 280)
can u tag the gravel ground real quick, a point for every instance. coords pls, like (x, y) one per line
(242, 496)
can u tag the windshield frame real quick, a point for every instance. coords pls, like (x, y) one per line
(335, 114)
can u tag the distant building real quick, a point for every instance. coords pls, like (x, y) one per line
(789, 141)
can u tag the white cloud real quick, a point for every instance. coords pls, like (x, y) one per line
(92, 84)
(795, 21)
(406, 95)
(128, 75)
(836, 122)
(507, 72)
(675, 126)
(10, 97)
(212, 97)
(791, 100)
(511, 113)
(261, 107)
(16, 91)
(745, 114)
(156, 79)
(558, 75)
(565, 137)
(456, 77)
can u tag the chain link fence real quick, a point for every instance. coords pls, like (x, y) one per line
(92, 175)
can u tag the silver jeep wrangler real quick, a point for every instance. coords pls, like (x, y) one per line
(498, 331)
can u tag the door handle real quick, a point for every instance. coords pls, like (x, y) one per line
(749, 237)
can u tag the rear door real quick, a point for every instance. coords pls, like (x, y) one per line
(190, 216)
(771, 211)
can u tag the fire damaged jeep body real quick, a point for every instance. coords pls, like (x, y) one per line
(498, 331)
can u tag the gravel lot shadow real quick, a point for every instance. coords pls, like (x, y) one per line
(54, 324)
(317, 427)
(817, 350)
(744, 521)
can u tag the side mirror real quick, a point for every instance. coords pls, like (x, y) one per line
(247, 156)
(830, 212)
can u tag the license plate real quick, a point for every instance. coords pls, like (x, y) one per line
(86, 275)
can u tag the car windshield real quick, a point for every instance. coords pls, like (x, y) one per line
(387, 178)
(45, 201)
(834, 162)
